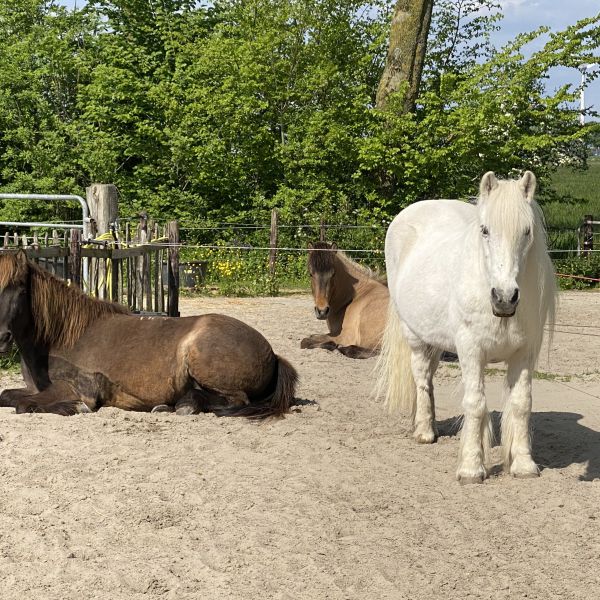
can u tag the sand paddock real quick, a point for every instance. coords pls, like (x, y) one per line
(335, 501)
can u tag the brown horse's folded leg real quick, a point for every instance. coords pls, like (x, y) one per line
(60, 398)
(202, 400)
(10, 397)
(357, 352)
(318, 341)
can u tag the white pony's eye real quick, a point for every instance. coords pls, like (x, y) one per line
(528, 231)
(484, 231)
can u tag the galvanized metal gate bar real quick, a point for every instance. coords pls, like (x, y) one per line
(85, 217)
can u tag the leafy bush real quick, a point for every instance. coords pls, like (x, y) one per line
(10, 361)
(580, 266)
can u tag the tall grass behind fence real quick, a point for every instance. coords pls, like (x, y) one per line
(234, 257)
(572, 195)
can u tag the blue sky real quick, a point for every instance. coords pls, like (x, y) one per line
(526, 15)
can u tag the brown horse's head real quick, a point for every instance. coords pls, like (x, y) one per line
(321, 267)
(13, 281)
(32, 301)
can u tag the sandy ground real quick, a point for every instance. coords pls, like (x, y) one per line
(333, 502)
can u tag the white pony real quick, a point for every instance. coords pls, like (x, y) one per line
(478, 281)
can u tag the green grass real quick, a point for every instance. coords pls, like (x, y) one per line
(574, 194)
(493, 371)
(10, 362)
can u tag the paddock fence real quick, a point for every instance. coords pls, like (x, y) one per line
(141, 263)
(135, 265)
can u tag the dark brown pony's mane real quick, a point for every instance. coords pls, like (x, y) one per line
(61, 312)
(325, 261)
(321, 261)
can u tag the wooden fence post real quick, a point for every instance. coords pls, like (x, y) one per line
(103, 202)
(587, 231)
(75, 257)
(173, 269)
(273, 241)
(322, 230)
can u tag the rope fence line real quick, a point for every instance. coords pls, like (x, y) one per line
(277, 248)
(289, 249)
(226, 226)
(596, 279)
(574, 332)
(180, 245)
(571, 387)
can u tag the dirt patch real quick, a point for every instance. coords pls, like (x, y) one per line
(335, 501)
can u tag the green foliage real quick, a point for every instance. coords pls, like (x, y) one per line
(584, 266)
(493, 116)
(459, 37)
(10, 361)
(220, 111)
(39, 73)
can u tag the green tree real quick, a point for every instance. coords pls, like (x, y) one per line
(409, 30)
(39, 76)
(490, 116)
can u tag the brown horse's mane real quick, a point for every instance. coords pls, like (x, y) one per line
(61, 312)
(325, 261)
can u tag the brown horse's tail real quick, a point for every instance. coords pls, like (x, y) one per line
(278, 400)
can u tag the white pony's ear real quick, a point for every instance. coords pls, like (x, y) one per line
(488, 183)
(528, 184)
(334, 246)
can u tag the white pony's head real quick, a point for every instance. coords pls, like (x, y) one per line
(508, 227)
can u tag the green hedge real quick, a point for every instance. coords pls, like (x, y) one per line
(581, 266)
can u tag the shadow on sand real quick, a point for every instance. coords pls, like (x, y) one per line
(559, 440)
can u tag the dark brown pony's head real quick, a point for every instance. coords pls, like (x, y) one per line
(60, 313)
(13, 281)
(321, 267)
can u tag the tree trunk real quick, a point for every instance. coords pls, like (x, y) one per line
(408, 42)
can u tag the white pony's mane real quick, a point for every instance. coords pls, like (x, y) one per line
(509, 210)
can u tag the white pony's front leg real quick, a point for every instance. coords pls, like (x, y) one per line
(424, 363)
(475, 437)
(516, 440)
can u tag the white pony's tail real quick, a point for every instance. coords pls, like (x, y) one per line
(394, 374)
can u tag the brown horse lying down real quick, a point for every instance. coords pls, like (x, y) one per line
(79, 354)
(352, 299)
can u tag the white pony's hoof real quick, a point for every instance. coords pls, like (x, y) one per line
(525, 475)
(468, 476)
(469, 479)
(83, 408)
(524, 468)
(162, 408)
(428, 437)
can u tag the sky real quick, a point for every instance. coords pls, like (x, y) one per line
(521, 16)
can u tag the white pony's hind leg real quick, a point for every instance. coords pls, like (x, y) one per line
(424, 362)
(476, 434)
(516, 440)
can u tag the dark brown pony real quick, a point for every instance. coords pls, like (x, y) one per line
(79, 354)
(352, 299)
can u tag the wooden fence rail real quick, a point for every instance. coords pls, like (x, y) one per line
(125, 268)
